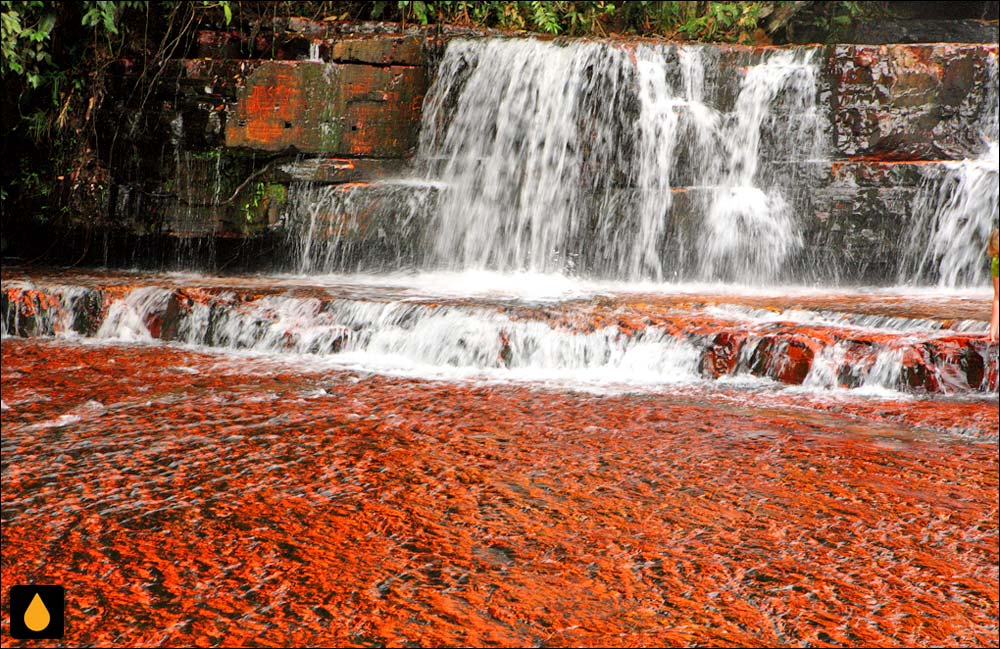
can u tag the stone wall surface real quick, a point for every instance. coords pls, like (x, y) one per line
(329, 108)
(910, 102)
(213, 136)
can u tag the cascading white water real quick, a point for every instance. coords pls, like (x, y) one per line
(41, 321)
(126, 319)
(953, 218)
(548, 151)
(750, 229)
(955, 211)
(568, 158)
(657, 142)
(512, 154)
(314, 52)
(335, 219)
(439, 340)
(486, 338)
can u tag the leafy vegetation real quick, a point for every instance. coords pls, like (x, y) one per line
(742, 22)
(56, 58)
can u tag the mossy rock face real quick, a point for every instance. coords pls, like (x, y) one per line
(260, 207)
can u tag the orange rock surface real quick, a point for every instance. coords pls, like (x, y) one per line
(193, 499)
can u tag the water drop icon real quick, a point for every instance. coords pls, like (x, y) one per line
(36, 617)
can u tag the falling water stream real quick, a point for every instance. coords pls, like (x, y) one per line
(954, 215)
(549, 158)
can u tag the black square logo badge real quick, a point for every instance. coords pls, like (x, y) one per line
(36, 612)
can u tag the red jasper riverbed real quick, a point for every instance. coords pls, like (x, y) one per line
(186, 498)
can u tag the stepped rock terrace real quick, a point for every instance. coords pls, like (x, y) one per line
(892, 340)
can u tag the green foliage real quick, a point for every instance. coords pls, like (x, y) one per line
(25, 29)
(721, 21)
(262, 200)
(54, 67)
(101, 14)
(835, 18)
(544, 16)
(578, 18)
(26, 35)
(737, 22)
(253, 203)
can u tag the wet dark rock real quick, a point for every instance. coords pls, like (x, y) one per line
(165, 324)
(973, 365)
(88, 313)
(782, 359)
(795, 366)
(991, 373)
(918, 371)
(909, 102)
(721, 356)
(506, 355)
(331, 170)
(892, 30)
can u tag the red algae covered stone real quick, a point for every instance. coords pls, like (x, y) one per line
(186, 499)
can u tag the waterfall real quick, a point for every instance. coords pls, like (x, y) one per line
(953, 219)
(566, 157)
(527, 119)
(635, 162)
(601, 160)
(955, 211)
(336, 219)
(750, 227)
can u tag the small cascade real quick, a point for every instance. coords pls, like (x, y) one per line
(956, 209)
(361, 227)
(128, 319)
(575, 341)
(656, 153)
(57, 310)
(954, 214)
(198, 192)
(751, 227)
